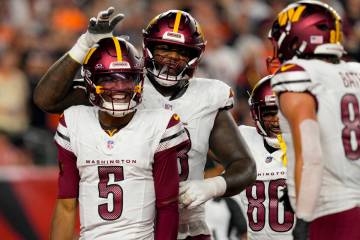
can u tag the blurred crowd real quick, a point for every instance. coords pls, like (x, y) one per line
(33, 33)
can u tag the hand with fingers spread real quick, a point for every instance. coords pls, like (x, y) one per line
(195, 192)
(100, 27)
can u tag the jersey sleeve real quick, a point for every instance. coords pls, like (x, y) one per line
(166, 179)
(292, 78)
(225, 96)
(68, 181)
(175, 135)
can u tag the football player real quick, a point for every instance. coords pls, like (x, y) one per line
(268, 216)
(173, 45)
(119, 162)
(319, 98)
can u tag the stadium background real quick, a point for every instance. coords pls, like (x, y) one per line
(34, 33)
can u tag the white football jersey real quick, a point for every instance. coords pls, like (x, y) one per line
(336, 88)
(266, 216)
(197, 109)
(116, 188)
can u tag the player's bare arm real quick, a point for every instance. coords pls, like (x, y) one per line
(229, 147)
(63, 221)
(54, 92)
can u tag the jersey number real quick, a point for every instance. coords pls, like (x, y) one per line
(183, 159)
(256, 204)
(105, 211)
(351, 126)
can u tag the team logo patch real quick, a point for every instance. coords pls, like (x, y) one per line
(110, 144)
(269, 159)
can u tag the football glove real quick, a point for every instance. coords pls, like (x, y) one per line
(195, 192)
(100, 27)
(301, 230)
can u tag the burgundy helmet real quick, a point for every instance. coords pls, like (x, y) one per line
(306, 28)
(110, 60)
(176, 28)
(262, 100)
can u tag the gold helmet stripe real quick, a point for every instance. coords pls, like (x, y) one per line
(337, 29)
(177, 21)
(88, 55)
(118, 49)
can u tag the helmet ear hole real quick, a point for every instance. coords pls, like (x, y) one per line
(323, 27)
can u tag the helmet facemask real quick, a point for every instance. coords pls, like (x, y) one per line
(117, 94)
(113, 74)
(168, 70)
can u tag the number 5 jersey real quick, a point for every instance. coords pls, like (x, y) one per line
(123, 180)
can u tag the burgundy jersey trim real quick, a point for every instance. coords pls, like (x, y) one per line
(69, 176)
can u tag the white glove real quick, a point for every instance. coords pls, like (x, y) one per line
(99, 28)
(195, 192)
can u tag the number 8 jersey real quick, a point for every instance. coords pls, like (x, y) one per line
(266, 215)
(336, 88)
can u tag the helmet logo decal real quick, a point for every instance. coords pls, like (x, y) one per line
(99, 66)
(177, 21)
(291, 15)
(174, 36)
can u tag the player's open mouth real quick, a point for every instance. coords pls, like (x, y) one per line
(276, 129)
(121, 98)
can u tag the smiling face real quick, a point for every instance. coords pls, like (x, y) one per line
(271, 121)
(171, 59)
(117, 87)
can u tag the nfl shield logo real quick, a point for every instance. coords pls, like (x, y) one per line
(168, 106)
(268, 159)
(110, 144)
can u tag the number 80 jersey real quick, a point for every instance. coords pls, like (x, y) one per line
(336, 88)
(266, 216)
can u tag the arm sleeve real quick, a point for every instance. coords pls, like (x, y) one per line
(225, 96)
(68, 181)
(166, 179)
